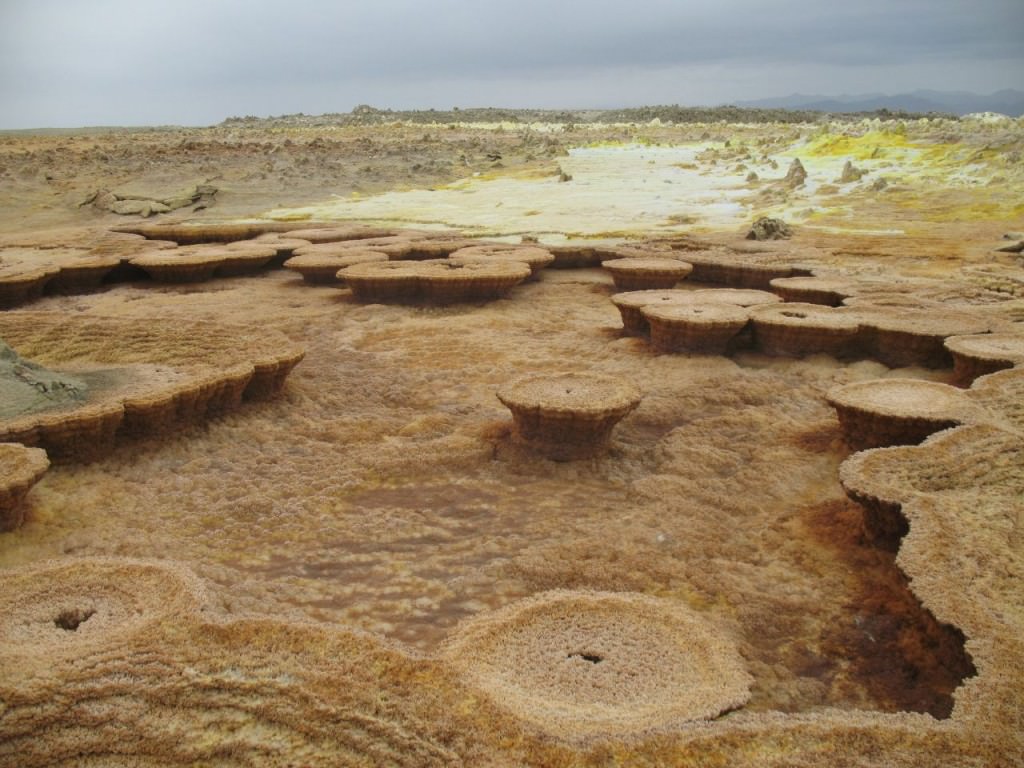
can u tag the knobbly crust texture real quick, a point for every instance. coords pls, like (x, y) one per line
(584, 665)
(65, 608)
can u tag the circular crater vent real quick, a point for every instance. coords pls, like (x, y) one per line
(582, 665)
(69, 608)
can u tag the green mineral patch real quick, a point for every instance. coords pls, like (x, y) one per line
(27, 388)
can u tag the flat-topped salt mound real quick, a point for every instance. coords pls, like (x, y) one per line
(20, 469)
(197, 263)
(157, 376)
(977, 355)
(1001, 393)
(917, 337)
(642, 274)
(207, 232)
(796, 329)
(60, 609)
(568, 416)
(884, 412)
(974, 459)
(631, 303)
(340, 233)
(577, 256)
(20, 283)
(322, 267)
(738, 270)
(585, 665)
(440, 281)
(829, 291)
(533, 256)
(705, 328)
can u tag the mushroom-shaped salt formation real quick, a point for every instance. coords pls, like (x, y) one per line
(394, 247)
(534, 257)
(195, 234)
(739, 297)
(575, 256)
(795, 330)
(441, 281)
(74, 607)
(187, 264)
(383, 281)
(245, 257)
(322, 268)
(23, 283)
(84, 273)
(908, 337)
(705, 328)
(570, 415)
(283, 244)
(813, 290)
(582, 665)
(20, 469)
(883, 412)
(631, 303)
(737, 272)
(340, 233)
(446, 281)
(981, 354)
(644, 274)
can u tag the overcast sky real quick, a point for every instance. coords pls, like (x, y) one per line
(195, 62)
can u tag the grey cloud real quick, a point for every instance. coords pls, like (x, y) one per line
(136, 59)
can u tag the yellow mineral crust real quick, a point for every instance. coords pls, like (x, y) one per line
(582, 665)
(164, 375)
(20, 469)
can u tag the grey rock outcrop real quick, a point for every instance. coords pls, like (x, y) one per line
(767, 228)
(850, 173)
(26, 387)
(796, 175)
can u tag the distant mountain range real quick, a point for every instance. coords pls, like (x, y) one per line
(1008, 102)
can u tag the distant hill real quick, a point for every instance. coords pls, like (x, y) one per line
(1007, 101)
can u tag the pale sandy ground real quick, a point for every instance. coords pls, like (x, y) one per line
(381, 491)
